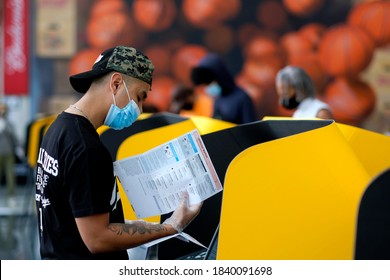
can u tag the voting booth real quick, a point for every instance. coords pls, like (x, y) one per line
(209, 217)
(293, 186)
(297, 195)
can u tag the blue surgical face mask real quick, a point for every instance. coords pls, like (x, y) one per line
(214, 90)
(120, 118)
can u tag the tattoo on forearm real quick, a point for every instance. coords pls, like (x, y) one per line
(131, 229)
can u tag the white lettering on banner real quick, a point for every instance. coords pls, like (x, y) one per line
(15, 58)
(49, 164)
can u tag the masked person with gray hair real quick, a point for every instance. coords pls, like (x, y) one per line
(296, 91)
(79, 210)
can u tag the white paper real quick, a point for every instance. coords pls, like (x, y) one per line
(154, 180)
(182, 236)
(137, 253)
(140, 252)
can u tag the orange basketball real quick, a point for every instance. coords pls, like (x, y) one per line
(247, 31)
(345, 50)
(208, 13)
(185, 58)
(261, 47)
(83, 60)
(102, 7)
(228, 9)
(109, 30)
(295, 44)
(161, 58)
(374, 17)
(303, 8)
(272, 14)
(219, 39)
(154, 15)
(351, 100)
(264, 50)
(175, 44)
(313, 32)
(260, 73)
(160, 95)
(310, 63)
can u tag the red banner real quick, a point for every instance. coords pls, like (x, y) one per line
(16, 48)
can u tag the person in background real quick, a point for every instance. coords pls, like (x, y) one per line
(8, 144)
(231, 103)
(296, 91)
(183, 99)
(79, 209)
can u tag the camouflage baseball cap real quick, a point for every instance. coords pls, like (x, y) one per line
(125, 60)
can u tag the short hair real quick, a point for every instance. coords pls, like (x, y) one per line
(293, 76)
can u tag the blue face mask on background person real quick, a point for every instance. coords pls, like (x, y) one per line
(120, 118)
(214, 90)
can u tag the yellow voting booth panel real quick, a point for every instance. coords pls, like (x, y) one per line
(35, 133)
(207, 125)
(102, 129)
(372, 148)
(295, 197)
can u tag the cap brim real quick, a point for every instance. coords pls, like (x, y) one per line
(81, 82)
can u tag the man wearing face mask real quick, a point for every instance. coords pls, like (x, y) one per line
(79, 210)
(296, 91)
(231, 103)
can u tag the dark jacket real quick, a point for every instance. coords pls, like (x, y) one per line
(234, 105)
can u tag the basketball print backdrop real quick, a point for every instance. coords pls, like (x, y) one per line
(373, 17)
(346, 50)
(331, 40)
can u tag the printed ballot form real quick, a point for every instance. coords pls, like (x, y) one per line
(154, 180)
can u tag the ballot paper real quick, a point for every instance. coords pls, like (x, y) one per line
(153, 181)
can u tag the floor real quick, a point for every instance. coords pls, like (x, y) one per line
(18, 228)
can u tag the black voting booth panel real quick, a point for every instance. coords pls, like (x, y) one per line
(373, 225)
(223, 146)
(112, 138)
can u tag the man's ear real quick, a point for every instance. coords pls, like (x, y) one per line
(115, 82)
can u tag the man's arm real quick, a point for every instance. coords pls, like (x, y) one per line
(101, 236)
(324, 114)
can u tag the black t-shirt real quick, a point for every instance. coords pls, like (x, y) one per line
(74, 178)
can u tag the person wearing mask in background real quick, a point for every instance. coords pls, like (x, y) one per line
(7, 153)
(79, 210)
(182, 100)
(231, 103)
(296, 91)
